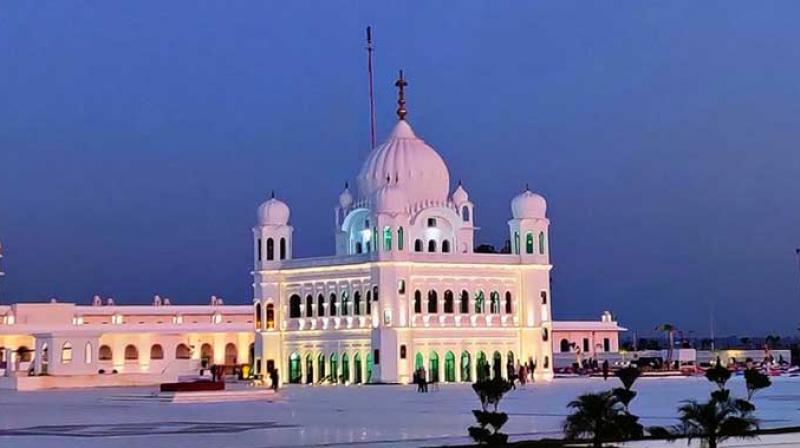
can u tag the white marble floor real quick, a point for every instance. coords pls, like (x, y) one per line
(333, 416)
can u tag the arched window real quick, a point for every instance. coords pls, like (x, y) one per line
(320, 305)
(446, 246)
(400, 238)
(432, 246)
(375, 293)
(509, 304)
(66, 353)
(270, 249)
(497, 365)
(309, 306)
(543, 295)
(259, 249)
(494, 300)
(417, 302)
(541, 242)
(387, 238)
(131, 353)
(565, 346)
(182, 352)
(309, 369)
(418, 246)
(258, 316)
(465, 213)
(357, 303)
(529, 243)
(482, 366)
(432, 302)
(464, 305)
(332, 305)
(345, 311)
(321, 366)
(357, 369)
(230, 354)
(104, 353)
(294, 306)
(283, 248)
(270, 316)
(516, 242)
(545, 334)
(156, 352)
(359, 249)
(479, 302)
(369, 301)
(418, 361)
(448, 301)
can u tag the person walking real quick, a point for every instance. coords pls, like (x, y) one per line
(605, 370)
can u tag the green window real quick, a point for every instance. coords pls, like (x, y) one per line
(541, 242)
(400, 238)
(294, 368)
(387, 238)
(529, 243)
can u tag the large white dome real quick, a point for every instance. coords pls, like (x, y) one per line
(407, 160)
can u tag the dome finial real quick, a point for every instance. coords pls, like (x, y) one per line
(401, 96)
(272, 194)
(527, 188)
(346, 185)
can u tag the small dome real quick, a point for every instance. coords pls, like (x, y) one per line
(460, 196)
(528, 205)
(408, 161)
(345, 198)
(390, 198)
(273, 212)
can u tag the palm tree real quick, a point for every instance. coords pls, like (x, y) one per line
(600, 417)
(670, 330)
(716, 420)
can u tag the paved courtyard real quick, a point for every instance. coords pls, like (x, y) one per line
(339, 416)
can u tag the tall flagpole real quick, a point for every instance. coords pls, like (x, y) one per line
(371, 94)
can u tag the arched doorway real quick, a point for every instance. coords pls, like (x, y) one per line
(483, 366)
(230, 354)
(334, 368)
(369, 367)
(345, 368)
(449, 367)
(433, 370)
(466, 367)
(321, 367)
(565, 346)
(358, 377)
(309, 369)
(418, 361)
(294, 368)
(497, 365)
(206, 354)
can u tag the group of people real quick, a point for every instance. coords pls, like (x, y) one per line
(522, 373)
(421, 379)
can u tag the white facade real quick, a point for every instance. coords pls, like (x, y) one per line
(405, 287)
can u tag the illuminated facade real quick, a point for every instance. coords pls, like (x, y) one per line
(405, 288)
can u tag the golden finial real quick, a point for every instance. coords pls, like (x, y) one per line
(401, 96)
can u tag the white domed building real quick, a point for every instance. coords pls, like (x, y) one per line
(405, 288)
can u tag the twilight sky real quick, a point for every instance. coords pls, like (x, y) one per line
(138, 138)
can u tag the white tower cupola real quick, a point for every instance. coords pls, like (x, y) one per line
(273, 234)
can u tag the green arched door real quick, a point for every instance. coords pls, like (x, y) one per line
(449, 367)
(466, 367)
(433, 371)
(483, 366)
(294, 368)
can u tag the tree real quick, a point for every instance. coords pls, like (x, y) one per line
(669, 330)
(490, 392)
(626, 394)
(600, 417)
(755, 381)
(716, 420)
(721, 417)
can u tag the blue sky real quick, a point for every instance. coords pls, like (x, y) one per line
(138, 138)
